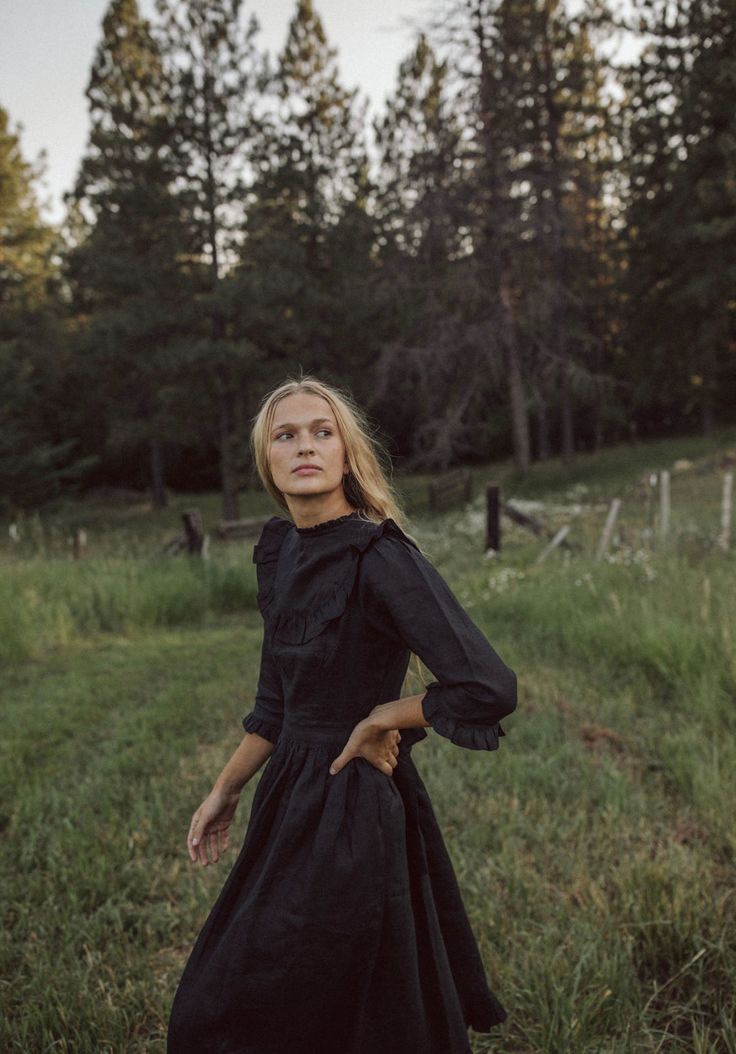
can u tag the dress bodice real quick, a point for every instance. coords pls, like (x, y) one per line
(344, 604)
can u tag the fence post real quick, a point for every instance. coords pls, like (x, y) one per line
(557, 540)
(79, 543)
(724, 540)
(493, 517)
(664, 504)
(608, 529)
(194, 531)
(648, 498)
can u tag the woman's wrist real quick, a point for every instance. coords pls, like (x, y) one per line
(379, 718)
(243, 765)
(399, 713)
(228, 787)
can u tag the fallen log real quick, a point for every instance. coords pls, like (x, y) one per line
(537, 528)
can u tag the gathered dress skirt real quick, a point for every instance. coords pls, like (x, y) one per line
(340, 928)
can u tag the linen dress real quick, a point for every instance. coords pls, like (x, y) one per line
(340, 928)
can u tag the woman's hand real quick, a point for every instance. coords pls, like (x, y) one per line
(209, 829)
(376, 745)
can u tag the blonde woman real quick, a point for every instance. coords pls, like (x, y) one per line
(341, 928)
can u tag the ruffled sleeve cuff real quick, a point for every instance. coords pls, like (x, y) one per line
(462, 733)
(270, 730)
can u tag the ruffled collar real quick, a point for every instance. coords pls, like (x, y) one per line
(303, 585)
(327, 525)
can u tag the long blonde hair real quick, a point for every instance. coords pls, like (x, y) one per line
(369, 464)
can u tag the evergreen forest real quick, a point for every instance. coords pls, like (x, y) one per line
(530, 252)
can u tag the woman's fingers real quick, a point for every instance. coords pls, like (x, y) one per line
(208, 837)
(390, 765)
(212, 846)
(193, 835)
(341, 761)
(381, 749)
(199, 849)
(193, 825)
(198, 840)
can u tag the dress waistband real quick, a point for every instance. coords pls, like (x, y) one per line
(314, 739)
(332, 741)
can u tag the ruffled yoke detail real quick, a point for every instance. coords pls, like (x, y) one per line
(325, 583)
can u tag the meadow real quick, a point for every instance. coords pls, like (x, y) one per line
(595, 849)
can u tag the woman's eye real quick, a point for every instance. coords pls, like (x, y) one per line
(328, 431)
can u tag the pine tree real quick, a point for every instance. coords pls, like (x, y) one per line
(535, 121)
(25, 241)
(420, 195)
(36, 457)
(124, 263)
(555, 82)
(314, 155)
(679, 134)
(308, 236)
(487, 76)
(421, 205)
(214, 78)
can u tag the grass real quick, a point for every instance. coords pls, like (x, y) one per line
(51, 603)
(107, 750)
(595, 849)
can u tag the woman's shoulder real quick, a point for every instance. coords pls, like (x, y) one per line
(391, 556)
(270, 539)
(380, 534)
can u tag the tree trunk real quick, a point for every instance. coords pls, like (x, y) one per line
(543, 447)
(708, 370)
(517, 395)
(158, 485)
(707, 415)
(598, 424)
(568, 436)
(228, 456)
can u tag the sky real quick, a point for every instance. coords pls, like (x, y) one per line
(47, 47)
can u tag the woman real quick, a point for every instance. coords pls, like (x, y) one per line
(340, 928)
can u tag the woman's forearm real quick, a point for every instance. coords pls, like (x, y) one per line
(400, 713)
(244, 763)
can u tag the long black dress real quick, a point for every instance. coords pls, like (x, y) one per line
(341, 928)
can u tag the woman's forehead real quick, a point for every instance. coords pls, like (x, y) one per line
(302, 408)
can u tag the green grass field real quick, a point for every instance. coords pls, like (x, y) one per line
(595, 849)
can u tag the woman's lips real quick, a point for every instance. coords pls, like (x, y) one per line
(305, 470)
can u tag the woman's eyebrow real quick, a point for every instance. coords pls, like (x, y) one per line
(316, 421)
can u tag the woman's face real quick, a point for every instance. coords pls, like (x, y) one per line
(304, 432)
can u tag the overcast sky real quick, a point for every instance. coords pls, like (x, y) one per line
(47, 47)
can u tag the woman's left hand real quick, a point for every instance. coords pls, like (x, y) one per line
(377, 745)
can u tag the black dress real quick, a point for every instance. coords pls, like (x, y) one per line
(341, 928)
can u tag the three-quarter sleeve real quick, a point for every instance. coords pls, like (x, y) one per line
(267, 714)
(409, 599)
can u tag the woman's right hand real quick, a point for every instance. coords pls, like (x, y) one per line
(210, 826)
(377, 745)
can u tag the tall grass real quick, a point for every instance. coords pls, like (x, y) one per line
(46, 604)
(666, 619)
